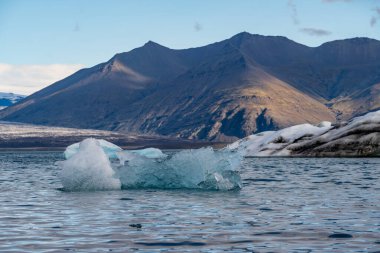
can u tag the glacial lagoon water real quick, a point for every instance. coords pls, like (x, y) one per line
(285, 205)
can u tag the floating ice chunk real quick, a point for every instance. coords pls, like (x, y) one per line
(205, 168)
(358, 137)
(372, 117)
(88, 169)
(368, 122)
(324, 124)
(293, 133)
(109, 148)
(150, 153)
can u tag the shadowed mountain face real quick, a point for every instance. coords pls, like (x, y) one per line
(223, 91)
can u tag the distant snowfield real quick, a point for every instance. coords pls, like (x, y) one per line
(13, 130)
(11, 96)
(19, 135)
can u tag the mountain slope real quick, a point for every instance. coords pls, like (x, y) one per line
(222, 91)
(335, 71)
(217, 100)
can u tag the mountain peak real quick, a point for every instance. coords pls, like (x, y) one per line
(151, 44)
(244, 37)
(241, 36)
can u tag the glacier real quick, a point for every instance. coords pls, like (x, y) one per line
(95, 164)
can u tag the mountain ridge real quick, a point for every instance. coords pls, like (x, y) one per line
(222, 91)
(8, 99)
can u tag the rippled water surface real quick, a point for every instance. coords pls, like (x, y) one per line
(286, 205)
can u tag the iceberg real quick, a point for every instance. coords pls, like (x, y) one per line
(358, 137)
(276, 142)
(89, 168)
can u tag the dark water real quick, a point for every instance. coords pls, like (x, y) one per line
(286, 205)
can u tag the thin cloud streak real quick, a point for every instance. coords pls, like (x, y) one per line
(373, 21)
(375, 18)
(27, 79)
(315, 32)
(76, 27)
(335, 1)
(294, 12)
(197, 27)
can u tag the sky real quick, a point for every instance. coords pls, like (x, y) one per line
(43, 41)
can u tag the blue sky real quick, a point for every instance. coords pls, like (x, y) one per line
(69, 34)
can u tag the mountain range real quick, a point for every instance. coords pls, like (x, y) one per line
(223, 91)
(8, 99)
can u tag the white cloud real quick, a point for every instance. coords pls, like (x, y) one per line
(27, 79)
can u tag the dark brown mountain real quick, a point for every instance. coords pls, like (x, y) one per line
(223, 91)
